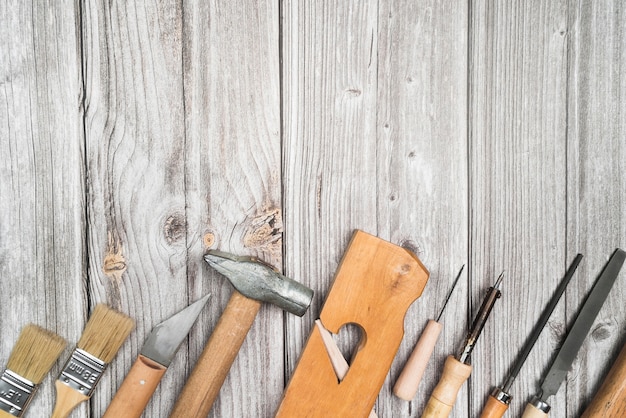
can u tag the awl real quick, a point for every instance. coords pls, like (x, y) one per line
(499, 399)
(456, 370)
(538, 407)
(410, 377)
(155, 357)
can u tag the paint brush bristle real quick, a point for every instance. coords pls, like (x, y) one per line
(35, 352)
(105, 333)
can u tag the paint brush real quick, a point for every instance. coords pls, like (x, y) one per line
(103, 336)
(32, 357)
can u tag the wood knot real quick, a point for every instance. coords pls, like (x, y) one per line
(265, 232)
(114, 264)
(174, 228)
(208, 239)
(601, 332)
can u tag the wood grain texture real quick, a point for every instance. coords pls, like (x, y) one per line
(517, 113)
(596, 183)
(135, 136)
(134, 128)
(422, 171)
(233, 180)
(329, 145)
(42, 194)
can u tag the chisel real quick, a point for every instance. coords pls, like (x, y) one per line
(156, 355)
(499, 399)
(411, 375)
(610, 401)
(538, 407)
(457, 370)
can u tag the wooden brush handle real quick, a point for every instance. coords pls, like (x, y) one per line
(610, 401)
(67, 400)
(212, 367)
(136, 389)
(494, 408)
(532, 412)
(444, 395)
(408, 381)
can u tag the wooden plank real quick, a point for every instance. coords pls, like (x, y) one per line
(422, 171)
(42, 244)
(596, 179)
(233, 179)
(136, 176)
(329, 146)
(518, 67)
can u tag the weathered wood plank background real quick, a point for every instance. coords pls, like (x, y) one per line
(134, 136)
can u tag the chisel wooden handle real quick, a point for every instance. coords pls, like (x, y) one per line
(493, 408)
(444, 395)
(610, 401)
(532, 411)
(214, 363)
(411, 375)
(136, 389)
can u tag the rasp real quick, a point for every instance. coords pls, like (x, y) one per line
(538, 407)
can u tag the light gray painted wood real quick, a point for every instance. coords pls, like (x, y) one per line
(517, 113)
(233, 179)
(422, 170)
(596, 187)
(135, 136)
(135, 132)
(42, 194)
(329, 146)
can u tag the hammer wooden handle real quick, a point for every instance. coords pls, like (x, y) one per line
(610, 401)
(411, 375)
(494, 408)
(444, 395)
(214, 363)
(136, 389)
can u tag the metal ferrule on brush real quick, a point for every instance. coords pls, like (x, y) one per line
(15, 393)
(82, 372)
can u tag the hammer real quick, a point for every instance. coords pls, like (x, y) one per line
(255, 282)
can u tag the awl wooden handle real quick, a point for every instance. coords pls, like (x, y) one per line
(610, 401)
(214, 363)
(444, 395)
(136, 389)
(409, 380)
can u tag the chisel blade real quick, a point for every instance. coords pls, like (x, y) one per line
(166, 337)
(587, 315)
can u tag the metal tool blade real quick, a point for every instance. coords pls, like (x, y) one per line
(547, 312)
(166, 337)
(587, 315)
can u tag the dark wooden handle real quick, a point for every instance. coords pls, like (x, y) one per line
(136, 389)
(494, 408)
(214, 363)
(610, 401)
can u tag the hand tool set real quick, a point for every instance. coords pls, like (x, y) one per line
(374, 285)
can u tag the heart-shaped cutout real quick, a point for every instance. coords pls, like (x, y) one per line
(351, 337)
(350, 340)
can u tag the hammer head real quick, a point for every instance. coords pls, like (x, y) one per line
(257, 280)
